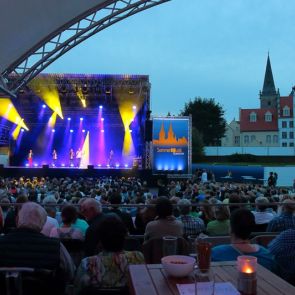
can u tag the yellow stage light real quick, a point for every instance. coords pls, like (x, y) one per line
(85, 152)
(81, 96)
(52, 120)
(16, 131)
(48, 92)
(10, 113)
(128, 113)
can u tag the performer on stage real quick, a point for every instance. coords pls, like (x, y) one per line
(72, 155)
(111, 158)
(30, 158)
(78, 157)
(54, 157)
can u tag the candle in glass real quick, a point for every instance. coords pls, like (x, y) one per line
(247, 282)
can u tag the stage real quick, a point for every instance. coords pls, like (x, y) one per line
(73, 172)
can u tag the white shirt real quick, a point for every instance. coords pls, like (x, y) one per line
(262, 217)
(49, 225)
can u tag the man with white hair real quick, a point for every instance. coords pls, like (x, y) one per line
(50, 206)
(27, 247)
(92, 211)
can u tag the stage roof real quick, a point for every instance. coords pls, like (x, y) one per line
(26, 24)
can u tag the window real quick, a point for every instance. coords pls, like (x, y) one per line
(275, 139)
(286, 111)
(291, 124)
(284, 124)
(284, 135)
(253, 138)
(253, 117)
(246, 139)
(284, 144)
(291, 144)
(268, 117)
(291, 134)
(237, 139)
(268, 139)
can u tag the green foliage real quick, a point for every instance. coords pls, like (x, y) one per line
(242, 158)
(207, 119)
(197, 144)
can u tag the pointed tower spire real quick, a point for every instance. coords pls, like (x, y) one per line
(269, 84)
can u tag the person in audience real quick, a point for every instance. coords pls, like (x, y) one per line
(27, 247)
(115, 199)
(109, 268)
(261, 214)
(219, 226)
(1, 220)
(92, 211)
(241, 223)
(283, 250)
(192, 225)
(69, 215)
(165, 223)
(49, 204)
(207, 213)
(285, 220)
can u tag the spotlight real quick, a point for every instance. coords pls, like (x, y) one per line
(22, 130)
(102, 119)
(69, 119)
(100, 106)
(98, 165)
(108, 165)
(117, 165)
(102, 130)
(126, 165)
(130, 131)
(134, 107)
(35, 165)
(83, 130)
(63, 165)
(53, 130)
(72, 165)
(44, 106)
(27, 165)
(71, 130)
(81, 119)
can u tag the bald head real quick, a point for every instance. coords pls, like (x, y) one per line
(32, 216)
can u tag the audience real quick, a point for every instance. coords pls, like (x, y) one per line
(219, 226)
(69, 216)
(192, 225)
(27, 247)
(285, 220)
(165, 224)
(283, 250)
(241, 222)
(92, 211)
(109, 268)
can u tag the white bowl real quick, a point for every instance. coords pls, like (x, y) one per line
(178, 265)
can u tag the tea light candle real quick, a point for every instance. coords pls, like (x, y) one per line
(247, 282)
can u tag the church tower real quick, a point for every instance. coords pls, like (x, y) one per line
(269, 97)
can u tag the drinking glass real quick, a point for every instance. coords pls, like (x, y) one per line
(192, 240)
(204, 282)
(169, 245)
(204, 255)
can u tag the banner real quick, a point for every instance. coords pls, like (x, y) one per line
(171, 142)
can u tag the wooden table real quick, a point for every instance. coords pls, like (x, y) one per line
(151, 279)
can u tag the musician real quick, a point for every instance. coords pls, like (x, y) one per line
(78, 157)
(30, 158)
(54, 157)
(111, 158)
(72, 156)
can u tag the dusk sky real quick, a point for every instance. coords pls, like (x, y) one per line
(208, 48)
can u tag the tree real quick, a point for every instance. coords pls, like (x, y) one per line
(207, 118)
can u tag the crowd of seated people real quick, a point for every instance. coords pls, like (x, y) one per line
(90, 209)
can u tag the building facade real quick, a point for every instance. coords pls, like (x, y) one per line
(271, 125)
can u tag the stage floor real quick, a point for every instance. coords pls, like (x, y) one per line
(12, 171)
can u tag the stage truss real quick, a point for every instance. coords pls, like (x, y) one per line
(43, 54)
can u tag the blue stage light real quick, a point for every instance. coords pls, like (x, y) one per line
(43, 106)
(69, 119)
(100, 106)
(81, 119)
(71, 130)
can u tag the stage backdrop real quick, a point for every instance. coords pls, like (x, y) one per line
(171, 145)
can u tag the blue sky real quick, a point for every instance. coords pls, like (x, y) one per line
(208, 48)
